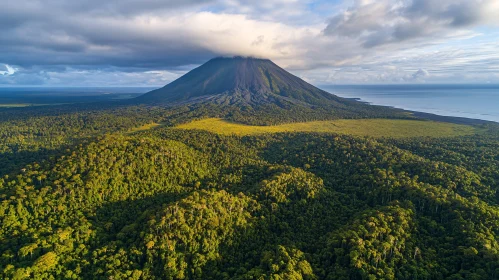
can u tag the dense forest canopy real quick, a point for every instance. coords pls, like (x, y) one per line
(118, 191)
(86, 196)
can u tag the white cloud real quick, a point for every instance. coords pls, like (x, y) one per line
(149, 42)
(9, 70)
(381, 22)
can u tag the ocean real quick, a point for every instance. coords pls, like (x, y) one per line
(63, 95)
(469, 101)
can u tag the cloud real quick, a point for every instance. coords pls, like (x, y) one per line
(151, 41)
(380, 22)
(8, 70)
(114, 77)
(420, 74)
(258, 41)
(468, 61)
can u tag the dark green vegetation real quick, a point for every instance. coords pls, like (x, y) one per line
(168, 203)
(88, 192)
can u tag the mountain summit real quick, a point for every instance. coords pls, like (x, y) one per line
(239, 80)
(258, 92)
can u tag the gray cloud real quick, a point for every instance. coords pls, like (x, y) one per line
(420, 74)
(467, 62)
(258, 41)
(380, 22)
(3, 69)
(134, 42)
(131, 35)
(89, 32)
(150, 34)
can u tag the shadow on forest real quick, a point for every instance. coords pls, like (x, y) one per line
(297, 224)
(129, 215)
(13, 163)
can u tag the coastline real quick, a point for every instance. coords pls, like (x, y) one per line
(428, 115)
(450, 119)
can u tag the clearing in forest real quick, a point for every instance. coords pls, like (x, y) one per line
(358, 127)
(144, 127)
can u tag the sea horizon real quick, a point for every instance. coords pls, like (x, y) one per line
(474, 101)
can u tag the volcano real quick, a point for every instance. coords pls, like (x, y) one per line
(240, 80)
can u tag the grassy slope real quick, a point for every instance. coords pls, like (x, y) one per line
(144, 127)
(363, 127)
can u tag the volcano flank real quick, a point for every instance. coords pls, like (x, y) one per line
(240, 80)
(257, 91)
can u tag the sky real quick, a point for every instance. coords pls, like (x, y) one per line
(152, 42)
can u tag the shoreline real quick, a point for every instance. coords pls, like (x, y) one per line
(429, 116)
(450, 119)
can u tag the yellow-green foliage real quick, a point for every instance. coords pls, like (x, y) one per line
(144, 127)
(362, 127)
